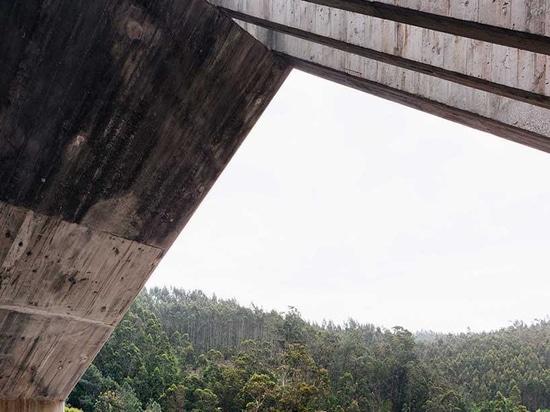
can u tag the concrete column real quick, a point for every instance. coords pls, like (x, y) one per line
(25, 405)
(116, 118)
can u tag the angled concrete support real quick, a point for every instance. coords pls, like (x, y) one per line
(116, 118)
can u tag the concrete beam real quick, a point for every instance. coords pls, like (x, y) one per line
(116, 118)
(472, 82)
(521, 25)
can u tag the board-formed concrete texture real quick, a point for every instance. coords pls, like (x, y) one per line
(117, 117)
(24, 405)
(115, 120)
(482, 63)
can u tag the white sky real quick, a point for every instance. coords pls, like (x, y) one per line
(345, 205)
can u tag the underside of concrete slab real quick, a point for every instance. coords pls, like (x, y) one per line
(480, 63)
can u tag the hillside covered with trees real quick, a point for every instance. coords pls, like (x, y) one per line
(184, 351)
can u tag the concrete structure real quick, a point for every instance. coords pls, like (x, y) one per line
(117, 117)
(115, 120)
(481, 63)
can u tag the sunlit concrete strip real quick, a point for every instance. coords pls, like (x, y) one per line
(25, 405)
(63, 287)
(115, 121)
(494, 88)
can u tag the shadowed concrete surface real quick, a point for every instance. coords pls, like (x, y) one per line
(481, 63)
(115, 120)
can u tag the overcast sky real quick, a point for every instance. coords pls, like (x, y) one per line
(345, 205)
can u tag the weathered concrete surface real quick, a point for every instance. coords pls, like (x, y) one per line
(31, 406)
(497, 85)
(115, 120)
(109, 109)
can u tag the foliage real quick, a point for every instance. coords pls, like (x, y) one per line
(183, 351)
(122, 399)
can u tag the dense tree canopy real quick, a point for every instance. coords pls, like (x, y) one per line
(183, 351)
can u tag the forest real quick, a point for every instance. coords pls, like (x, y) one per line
(178, 350)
